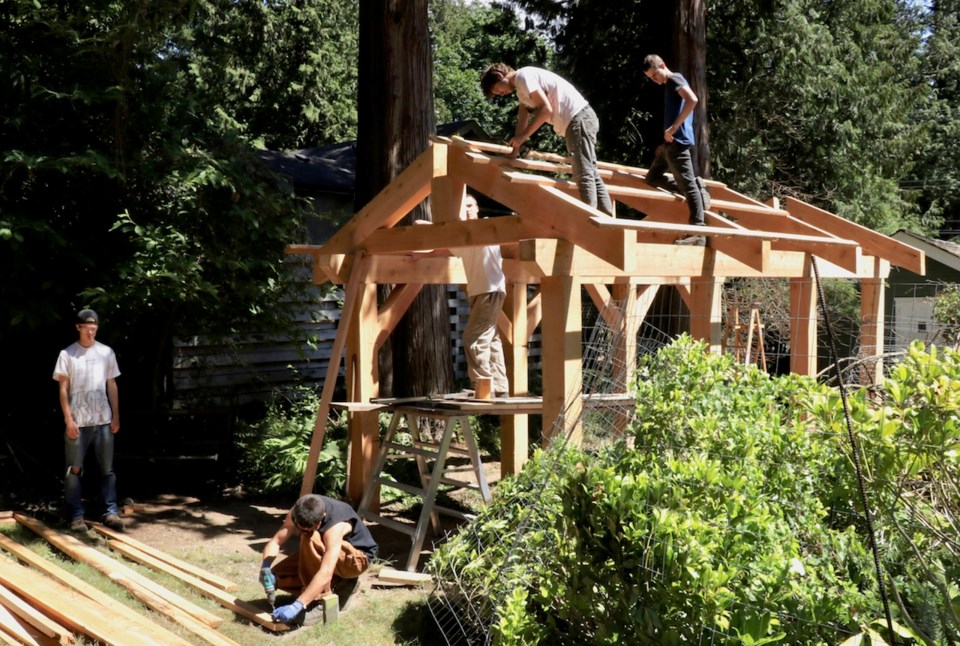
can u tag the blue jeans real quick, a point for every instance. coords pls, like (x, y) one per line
(76, 450)
(581, 140)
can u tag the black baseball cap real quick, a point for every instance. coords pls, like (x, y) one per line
(87, 316)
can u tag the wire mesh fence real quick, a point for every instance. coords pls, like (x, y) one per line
(756, 326)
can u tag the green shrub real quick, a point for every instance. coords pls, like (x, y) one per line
(273, 451)
(908, 430)
(711, 526)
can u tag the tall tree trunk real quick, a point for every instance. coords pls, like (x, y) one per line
(395, 120)
(690, 59)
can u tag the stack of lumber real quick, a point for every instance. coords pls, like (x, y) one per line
(43, 604)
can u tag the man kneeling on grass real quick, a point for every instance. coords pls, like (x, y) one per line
(335, 548)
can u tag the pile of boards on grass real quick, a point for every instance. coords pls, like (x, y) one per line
(56, 606)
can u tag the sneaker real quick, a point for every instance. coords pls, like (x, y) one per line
(692, 241)
(78, 526)
(704, 193)
(313, 614)
(114, 522)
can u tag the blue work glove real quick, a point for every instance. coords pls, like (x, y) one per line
(267, 579)
(286, 614)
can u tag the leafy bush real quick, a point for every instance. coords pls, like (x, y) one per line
(713, 527)
(908, 429)
(273, 451)
(946, 311)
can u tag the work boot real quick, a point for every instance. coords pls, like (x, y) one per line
(704, 193)
(78, 526)
(114, 522)
(692, 241)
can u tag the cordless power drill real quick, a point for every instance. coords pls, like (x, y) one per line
(269, 582)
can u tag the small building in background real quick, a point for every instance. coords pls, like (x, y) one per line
(911, 298)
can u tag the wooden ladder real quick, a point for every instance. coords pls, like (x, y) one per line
(750, 349)
(431, 477)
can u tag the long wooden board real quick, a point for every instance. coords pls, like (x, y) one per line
(46, 626)
(189, 568)
(159, 634)
(18, 631)
(116, 571)
(74, 611)
(201, 630)
(225, 599)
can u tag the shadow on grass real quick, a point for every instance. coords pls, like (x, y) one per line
(416, 626)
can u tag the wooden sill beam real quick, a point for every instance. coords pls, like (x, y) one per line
(189, 568)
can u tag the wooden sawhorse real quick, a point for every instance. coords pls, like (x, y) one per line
(452, 414)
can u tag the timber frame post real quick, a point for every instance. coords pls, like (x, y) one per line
(562, 358)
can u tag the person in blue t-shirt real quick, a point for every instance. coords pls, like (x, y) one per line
(675, 153)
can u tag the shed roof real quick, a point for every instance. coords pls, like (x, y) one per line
(333, 168)
(942, 251)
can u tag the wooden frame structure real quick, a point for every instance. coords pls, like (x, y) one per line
(558, 243)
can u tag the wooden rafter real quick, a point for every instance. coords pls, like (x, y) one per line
(555, 241)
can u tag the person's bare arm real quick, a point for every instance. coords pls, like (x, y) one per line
(114, 396)
(71, 430)
(526, 127)
(333, 545)
(272, 548)
(690, 101)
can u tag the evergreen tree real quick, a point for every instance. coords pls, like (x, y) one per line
(936, 178)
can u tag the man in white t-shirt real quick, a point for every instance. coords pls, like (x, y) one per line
(546, 97)
(486, 291)
(87, 372)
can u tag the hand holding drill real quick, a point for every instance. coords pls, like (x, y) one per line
(269, 582)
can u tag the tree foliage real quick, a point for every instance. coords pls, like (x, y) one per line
(935, 180)
(283, 74)
(466, 39)
(119, 192)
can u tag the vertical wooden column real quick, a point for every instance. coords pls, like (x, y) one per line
(705, 314)
(872, 304)
(514, 429)
(363, 382)
(625, 352)
(803, 323)
(561, 331)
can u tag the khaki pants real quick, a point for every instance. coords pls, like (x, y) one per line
(481, 343)
(297, 570)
